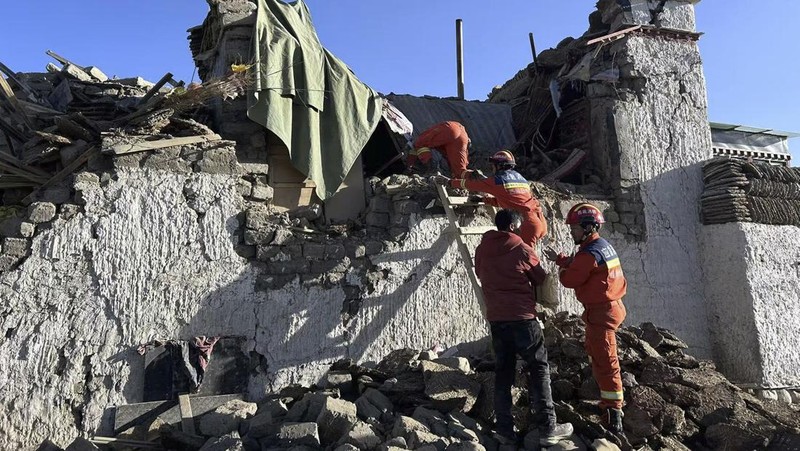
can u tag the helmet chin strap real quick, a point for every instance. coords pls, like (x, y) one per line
(588, 230)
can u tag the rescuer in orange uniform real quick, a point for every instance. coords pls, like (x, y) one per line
(596, 275)
(511, 191)
(449, 138)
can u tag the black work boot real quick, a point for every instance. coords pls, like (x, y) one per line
(614, 419)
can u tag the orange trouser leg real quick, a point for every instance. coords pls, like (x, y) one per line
(451, 139)
(601, 344)
(456, 152)
(533, 228)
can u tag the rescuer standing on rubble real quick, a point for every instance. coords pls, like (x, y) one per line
(510, 190)
(596, 275)
(508, 270)
(449, 138)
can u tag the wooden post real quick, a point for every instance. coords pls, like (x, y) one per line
(533, 47)
(187, 418)
(460, 57)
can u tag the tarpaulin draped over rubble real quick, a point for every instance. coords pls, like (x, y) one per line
(307, 97)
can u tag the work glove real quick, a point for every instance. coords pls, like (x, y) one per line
(475, 198)
(550, 254)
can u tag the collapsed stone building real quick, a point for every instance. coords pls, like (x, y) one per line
(132, 215)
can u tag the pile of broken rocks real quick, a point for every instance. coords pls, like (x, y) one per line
(426, 401)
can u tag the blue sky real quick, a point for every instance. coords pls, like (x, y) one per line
(749, 48)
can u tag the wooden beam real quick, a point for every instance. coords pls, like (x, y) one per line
(17, 163)
(63, 60)
(22, 85)
(7, 93)
(613, 36)
(11, 169)
(187, 419)
(69, 169)
(160, 84)
(142, 146)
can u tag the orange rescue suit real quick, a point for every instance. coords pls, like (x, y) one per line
(511, 191)
(596, 275)
(451, 139)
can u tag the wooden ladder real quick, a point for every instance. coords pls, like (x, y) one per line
(459, 232)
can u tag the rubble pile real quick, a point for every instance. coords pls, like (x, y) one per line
(744, 191)
(73, 126)
(54, 122)
(554, 98)
(431, 401)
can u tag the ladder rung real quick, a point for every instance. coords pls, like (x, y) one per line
(474, 230)
(463, 202)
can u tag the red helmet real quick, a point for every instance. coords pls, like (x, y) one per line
(503, 157)
(585, 214)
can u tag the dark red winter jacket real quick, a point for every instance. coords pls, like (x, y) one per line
(508, 269)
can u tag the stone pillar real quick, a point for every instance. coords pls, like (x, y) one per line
(751, 285)
(651, 134)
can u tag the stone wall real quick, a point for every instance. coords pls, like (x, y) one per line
(751, 286)
(654, 130)
(175, 254)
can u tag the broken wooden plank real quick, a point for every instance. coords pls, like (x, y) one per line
(142, 146)
(72, 129)
(52, 138)
(61, 59)
(160, 84)
(187, 419)
(22, 85)
(573, 162)
(613, 36)
(9, 159)
(8, 94)
(81, 160)
(11, 169)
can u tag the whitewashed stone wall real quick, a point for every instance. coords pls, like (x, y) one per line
(656, 133)
(140, 264)
(752, 277)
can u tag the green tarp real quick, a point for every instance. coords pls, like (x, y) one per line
(307, 97)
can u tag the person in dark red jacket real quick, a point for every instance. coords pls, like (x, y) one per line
(508, 270)
(449, 138)
(596, 275)
(509, 189)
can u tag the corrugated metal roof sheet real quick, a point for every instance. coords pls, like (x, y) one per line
(488, 124)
